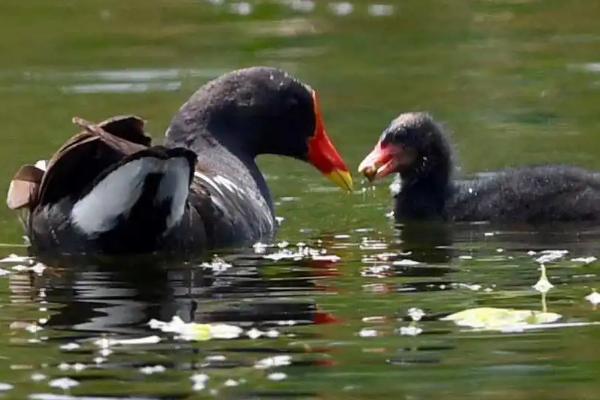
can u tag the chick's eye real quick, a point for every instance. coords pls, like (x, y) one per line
(246, 99)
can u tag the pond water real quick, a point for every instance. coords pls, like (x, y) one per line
(344, 304)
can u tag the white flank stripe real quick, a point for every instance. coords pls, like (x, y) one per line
(218, 183)
(221, 180)
(209, 181)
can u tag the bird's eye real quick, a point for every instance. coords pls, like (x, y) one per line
(246, 99)
(292, 103)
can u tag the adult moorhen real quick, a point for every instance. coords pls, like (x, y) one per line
(108, 191)
(416, 147)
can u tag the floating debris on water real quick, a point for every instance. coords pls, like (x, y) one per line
(593, 298)
(277, 376)
(199, 381)
(411, 330)
(216, 357)
(301, 5)
(199, 332)
(406, 262)
(302, 252)
(342, 236)
(260, 248)
(14, 258)
(501, 319)
(585, 260)
(105, 352)
(383, 256)
(5, 386)
(241, 8)
(75, 367)
(28, 326)
(372, 244)
(153, 369)
(257, 333)
(380, 10)
(284, 255)
(275, 361)
(342, 8)
(376, 271)
(368, 332)
(374, 319)
(543, 285)
(551, 256)
(63, 383)
(289, 322)
(37, 377)
(22, 264)
(474, 287)
(324, 257)
(217, 265)
(254, 333)
(109, 342)
(20, 268)
(416, 314)
(38, 268)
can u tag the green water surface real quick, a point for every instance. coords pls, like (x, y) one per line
(516, 81)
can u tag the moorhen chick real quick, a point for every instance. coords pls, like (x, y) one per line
(109, 191)
(416, 147)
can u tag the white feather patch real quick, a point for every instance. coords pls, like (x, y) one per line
(117, 193)
(175, 185)
(42, 164)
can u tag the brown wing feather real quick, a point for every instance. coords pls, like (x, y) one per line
(85, 155)
(24, 187)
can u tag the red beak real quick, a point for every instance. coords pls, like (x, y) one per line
(323, 154)
(383, 160)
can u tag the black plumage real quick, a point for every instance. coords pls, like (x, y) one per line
(108, 190)
(418, 149)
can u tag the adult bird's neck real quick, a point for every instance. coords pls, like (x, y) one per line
(221, 151)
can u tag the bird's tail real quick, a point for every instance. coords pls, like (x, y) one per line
(104, 188)
(145, 192)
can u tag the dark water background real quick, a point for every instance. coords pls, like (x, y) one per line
(517, 81)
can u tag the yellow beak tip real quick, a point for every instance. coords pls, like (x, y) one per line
(341, 178)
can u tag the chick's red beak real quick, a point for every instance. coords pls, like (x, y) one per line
(382, 161)
(323, 154)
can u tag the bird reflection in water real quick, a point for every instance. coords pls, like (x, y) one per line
(121, 295)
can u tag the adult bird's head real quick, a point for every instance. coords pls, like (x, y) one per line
(262, 110)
